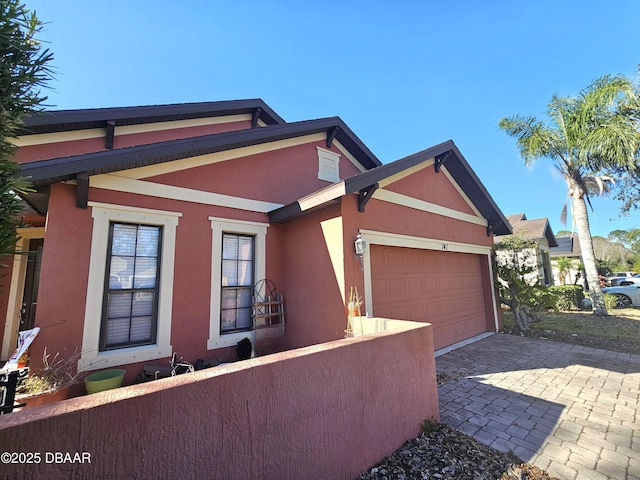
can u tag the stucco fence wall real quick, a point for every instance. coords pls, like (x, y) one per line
(325, 411)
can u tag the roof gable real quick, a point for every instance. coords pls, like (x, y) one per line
(532, 229)
(518, 217)
(445, 154)
(427, 185)
(46, 172)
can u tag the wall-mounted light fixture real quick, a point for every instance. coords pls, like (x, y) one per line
(361, 247)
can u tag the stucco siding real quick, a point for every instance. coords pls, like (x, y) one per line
(327, 411)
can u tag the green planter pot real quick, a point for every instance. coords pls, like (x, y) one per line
(104, 380)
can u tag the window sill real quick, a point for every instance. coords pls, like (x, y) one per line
(230, 339)
(122, 356)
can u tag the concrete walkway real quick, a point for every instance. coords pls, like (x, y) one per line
(570, 410)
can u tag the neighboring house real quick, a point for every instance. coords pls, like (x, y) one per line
(161, 220)
(539, 232)
(568, 247)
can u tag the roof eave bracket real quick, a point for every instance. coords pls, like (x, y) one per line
(440, 159)
(82, 190)
(331, 135)
(111, 132)
(492, 226)
(365, 195)
(256, 116)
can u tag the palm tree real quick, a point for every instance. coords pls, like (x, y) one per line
(564, 266)
(588, 136)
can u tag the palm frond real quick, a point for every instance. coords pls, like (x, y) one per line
(612, 144)
(605, 93)
(563, 214)
(534, 139)
(600, 184)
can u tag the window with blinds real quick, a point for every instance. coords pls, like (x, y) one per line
(131, 290)
(238, 253)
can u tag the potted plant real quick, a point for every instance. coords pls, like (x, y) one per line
(49, 383)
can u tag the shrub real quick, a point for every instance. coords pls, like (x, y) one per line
(610, 301)
(518, 282)
(569, 296)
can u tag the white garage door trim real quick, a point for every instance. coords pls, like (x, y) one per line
(396, 240)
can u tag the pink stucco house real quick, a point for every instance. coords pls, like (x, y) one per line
(151, 226)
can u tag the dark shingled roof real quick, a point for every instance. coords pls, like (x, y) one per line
(532, 229)
(52, 121)
(567, 247)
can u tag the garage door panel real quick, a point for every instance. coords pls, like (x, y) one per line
(429, 284)
(414, 286)
(394, 260)
(443, 288)
(398, 312)
(443, 263)
(444, 284)
(427, 262)
(396, 287)
(411, 262)
(432, 310)
(415, 312)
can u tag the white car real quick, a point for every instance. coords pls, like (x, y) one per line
(626, 296)
(616, 278)
(621, 282)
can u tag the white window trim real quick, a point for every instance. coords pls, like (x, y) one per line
(328, 156)
(103, 214)
(218, 227)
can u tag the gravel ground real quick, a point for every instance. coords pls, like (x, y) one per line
(441, 452)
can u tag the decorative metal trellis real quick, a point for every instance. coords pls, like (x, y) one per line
(268, 306)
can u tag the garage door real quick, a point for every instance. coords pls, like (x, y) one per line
(443, 288)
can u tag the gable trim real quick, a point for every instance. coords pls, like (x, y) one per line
(177, 124)
(325, 195)
(347, 154)
(211, 158)
(405, 173)
(158, 190)
(421, 166)
(424, 206)
(43, 138)
(462, 193)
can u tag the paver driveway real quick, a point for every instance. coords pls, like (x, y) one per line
(568, 409)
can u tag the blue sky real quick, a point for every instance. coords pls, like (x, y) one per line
(403, 75)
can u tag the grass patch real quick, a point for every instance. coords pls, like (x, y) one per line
(619, 332)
